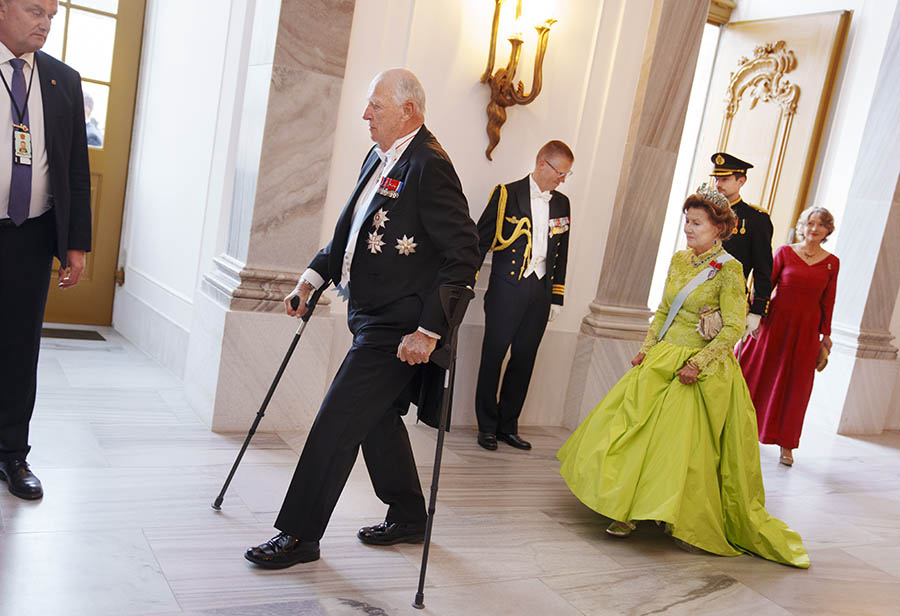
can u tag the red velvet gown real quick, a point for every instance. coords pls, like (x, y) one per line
(780, 364)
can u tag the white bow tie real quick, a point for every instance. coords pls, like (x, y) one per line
(543, 196)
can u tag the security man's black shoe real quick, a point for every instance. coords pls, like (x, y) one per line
(20, 480)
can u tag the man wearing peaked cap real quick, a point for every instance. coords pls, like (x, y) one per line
(751, 243)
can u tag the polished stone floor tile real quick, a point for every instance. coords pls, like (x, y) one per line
(205, 567)
(467, 549)
(98, 499)
(510, 597)
(65, 444)
(692, 589)
(81, 574)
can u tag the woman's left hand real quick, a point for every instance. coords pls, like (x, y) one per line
(826, 342)
(688, 374)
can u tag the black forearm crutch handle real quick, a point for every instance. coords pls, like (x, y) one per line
(295, 303)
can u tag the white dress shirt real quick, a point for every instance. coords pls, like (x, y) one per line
(40, 168)
(540, 230)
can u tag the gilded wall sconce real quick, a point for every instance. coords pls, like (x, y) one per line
(504, 91)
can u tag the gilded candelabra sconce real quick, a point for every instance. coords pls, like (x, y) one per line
(504, 91)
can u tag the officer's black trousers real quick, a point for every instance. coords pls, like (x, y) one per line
(515, 318)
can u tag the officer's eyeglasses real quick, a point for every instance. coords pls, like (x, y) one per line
(559, 175)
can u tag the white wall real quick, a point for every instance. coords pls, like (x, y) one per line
(182, 165)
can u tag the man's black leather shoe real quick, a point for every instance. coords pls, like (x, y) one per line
(389, 533)
(514, 440)
(21, 481)
(487, 440)
(282, 551)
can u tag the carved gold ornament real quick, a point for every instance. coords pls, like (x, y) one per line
(762, 79)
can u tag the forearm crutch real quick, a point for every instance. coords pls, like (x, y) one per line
(295, 303)
(454, 301)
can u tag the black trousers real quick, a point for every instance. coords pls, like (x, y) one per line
(515, 318)
(362, 408)
(26, 257)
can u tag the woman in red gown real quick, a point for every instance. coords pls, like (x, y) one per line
(780, 361)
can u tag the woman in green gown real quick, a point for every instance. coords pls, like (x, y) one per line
(675, 439)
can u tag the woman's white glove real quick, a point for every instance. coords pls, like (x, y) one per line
(753, 321)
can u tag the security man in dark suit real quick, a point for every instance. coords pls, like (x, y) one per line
(526, 226)
(404, 232)
(751, 243)
(45, 210)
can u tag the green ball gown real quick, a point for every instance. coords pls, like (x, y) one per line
(686, 455)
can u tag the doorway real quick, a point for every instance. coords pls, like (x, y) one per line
(101, 39)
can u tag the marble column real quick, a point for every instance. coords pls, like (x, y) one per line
(295, 74)
(854, 392)
(612, 331)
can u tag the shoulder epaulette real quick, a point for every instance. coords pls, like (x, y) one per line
(758, 209)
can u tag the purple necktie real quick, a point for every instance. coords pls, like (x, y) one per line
(20, 182)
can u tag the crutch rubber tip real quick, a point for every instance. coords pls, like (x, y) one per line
(418, 604)
(217, 505)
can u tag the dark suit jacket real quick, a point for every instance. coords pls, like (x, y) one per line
(507, 264)
(67, 154)
(430, 210)
(752, 246)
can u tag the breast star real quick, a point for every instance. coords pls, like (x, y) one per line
(406, 245)
(379, 219)
(375, 243)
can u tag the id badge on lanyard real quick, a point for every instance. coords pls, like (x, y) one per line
(21, 145)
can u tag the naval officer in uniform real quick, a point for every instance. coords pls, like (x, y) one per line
(751, 243)
(526, 226)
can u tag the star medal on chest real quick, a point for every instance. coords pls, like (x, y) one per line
(390, 188)
(375, 242)
(406, 245)
(380, 218)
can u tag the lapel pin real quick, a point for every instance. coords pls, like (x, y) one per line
(52, 82)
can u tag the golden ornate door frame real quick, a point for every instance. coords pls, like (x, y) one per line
(762, 78)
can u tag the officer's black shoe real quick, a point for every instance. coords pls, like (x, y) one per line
(487, 440)
(514, 440)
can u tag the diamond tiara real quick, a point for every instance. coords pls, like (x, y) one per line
(709, 193)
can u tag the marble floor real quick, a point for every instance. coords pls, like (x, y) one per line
(126, 525)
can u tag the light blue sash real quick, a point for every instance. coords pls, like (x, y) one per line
(705, 274)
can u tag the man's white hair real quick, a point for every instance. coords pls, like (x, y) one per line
(405, 86)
